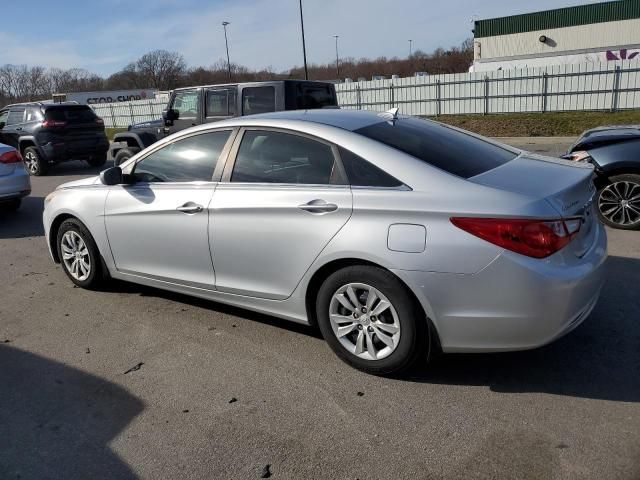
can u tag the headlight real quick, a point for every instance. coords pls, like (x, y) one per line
(579, 156)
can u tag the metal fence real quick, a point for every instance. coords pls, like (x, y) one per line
(123, 114)
(575, 87)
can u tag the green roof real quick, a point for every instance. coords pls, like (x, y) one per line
(559, 18)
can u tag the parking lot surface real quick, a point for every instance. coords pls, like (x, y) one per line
(134, 382)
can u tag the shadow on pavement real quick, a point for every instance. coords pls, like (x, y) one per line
(599, 360)
(57, 422)
(25, 222)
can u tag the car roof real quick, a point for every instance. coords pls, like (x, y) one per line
(254, 84)
(345, 119)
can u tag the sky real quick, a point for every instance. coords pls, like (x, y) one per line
(103, 36)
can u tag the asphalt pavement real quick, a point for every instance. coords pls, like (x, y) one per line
(133, 382)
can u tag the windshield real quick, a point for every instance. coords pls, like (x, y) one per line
(449, 149)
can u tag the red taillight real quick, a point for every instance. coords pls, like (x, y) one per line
(11, 157)
(534, 238)
(54, 124)
(99, 121)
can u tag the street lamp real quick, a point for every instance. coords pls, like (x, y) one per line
(410, 50)
(304, 48)
(337, 58)
(226, 42)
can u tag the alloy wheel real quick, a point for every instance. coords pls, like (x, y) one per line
(31, 162)
(364, 321)
(619, 203)
(75, 255)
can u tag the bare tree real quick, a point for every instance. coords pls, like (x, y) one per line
(161, 69)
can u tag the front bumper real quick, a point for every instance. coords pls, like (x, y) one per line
(15, 185)
(515, 303)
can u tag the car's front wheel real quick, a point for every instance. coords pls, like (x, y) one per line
(370, 320)
(124, 155)
(79, 254)
(619, 202)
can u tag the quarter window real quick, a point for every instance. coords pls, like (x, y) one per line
(33, 115)
(276, 157)
(15, 116)
(190, 160)
(258, 100)
(364, 174)
(186, 103)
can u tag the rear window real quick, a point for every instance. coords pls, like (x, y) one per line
(71, 114)
(309, 96)
(451, 150)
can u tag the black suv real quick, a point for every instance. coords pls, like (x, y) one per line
(192, 106)
(50, 133)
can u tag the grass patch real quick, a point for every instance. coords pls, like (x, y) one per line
(112, 131)
(560, 124)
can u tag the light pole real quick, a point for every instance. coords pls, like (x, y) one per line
(226, 42)
(337, 58)
(410, 50)
(304, 48)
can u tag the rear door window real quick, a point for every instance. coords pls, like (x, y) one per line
(16, 115)
(258, 100)
(33, 115)
(443, 147)
(220, 103)
(277, 157)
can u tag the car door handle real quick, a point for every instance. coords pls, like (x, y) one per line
(190, 207)
(318, 206)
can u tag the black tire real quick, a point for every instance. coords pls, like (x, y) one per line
(11, 205)
(626, 190)
(97, 160)
(124, 155)
(414, 338)
(97, 274)
(35, 164)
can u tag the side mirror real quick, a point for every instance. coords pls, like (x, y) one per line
(111, 176)
(170, 115)
(2, 124)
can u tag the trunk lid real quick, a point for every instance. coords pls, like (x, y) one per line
(566, 186)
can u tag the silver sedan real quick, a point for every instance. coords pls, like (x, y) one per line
(395, 235)
(14, 179)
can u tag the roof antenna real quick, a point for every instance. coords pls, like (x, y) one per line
(391, 114)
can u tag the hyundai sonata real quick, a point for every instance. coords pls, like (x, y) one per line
(394, 235)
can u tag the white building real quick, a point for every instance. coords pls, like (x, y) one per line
(596, 32)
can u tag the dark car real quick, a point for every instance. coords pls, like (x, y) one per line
(50, 133)
(192, 106)
(615, 153)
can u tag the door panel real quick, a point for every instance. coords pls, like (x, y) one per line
(265, 237)
(157, 230)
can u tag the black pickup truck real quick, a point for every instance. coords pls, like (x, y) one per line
(192, 106)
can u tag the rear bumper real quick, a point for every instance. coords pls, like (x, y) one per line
(515, 303)
(15, 185)
(59, 151)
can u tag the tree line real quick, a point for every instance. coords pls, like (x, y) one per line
(164, 70)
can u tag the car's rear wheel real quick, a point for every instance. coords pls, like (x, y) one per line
(79, 254)
(97, 160)
(370, 320)
(619, 202)
(33, 162)
(124, 155)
